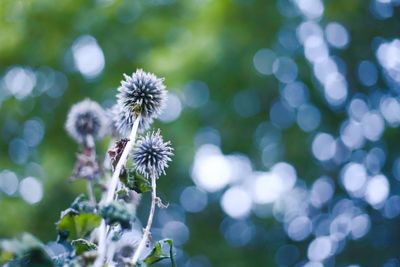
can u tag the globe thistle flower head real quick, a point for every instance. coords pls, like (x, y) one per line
(143, 93)
(122, 121)
(86, 119)
(126, 246)
(152, 154)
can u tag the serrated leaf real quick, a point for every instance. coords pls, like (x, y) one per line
(80, 204)
(82, 245)
(158, 254)
(76, 203)
(75, 226)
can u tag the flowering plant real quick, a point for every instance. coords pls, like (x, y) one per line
(104, 230)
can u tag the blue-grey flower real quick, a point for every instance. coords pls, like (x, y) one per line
(122, 121)
(126, 246)
(151, 155)
(143, 93)
(87, 119)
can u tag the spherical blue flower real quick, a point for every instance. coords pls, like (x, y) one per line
(126, 246)
(143, 93)
(87, 119)
(151, 155)
(122, 121)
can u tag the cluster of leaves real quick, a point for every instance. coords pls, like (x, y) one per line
(24, 251)
(75, 234)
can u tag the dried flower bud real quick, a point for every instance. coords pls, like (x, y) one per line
(115, 152)
(87, 120)
(86, 166)
(143, 93)
(151, 155)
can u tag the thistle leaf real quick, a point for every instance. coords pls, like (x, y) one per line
(158, 253)
(24, 251)
(82, 245)
(137, 182)
(74, 226)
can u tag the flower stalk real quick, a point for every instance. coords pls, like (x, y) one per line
(112, 186)
(140, 99)
(146, 232)
(92, 198)
(110, 194)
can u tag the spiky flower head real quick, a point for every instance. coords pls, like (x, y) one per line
(126, 246)
(151, 155)
(143, 93)
(86, 119)
(122, 121)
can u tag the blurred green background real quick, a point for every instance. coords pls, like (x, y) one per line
(55, 53)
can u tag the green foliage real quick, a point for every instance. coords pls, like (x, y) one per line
(25, 251)
(137, 182)
(5, 256)
(117, 212)
(80, 204)
(74, 226)
(82, 245)
(78, 220)
(66, 260)
(158, 253)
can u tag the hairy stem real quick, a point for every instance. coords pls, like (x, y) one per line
(146, 232)
(89, 141)
(90, 146)
(122, 160)
(92, 198)
(102, 248)
(110, 194)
